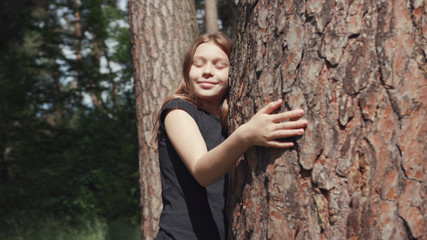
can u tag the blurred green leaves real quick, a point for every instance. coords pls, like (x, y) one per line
(60, 154)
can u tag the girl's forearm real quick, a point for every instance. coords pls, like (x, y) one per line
(218, 161)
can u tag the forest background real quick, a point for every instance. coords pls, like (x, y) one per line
(68, 134)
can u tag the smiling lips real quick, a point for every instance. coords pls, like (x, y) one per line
(207, 84)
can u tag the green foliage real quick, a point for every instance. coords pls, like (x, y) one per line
(79, 228)
(227, 13)
(61, 156)
(60, 228)
(105, 154)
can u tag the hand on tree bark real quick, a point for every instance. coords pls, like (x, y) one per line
(268, 129)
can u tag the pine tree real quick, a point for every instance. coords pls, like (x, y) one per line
(161, 32)
(357, 68)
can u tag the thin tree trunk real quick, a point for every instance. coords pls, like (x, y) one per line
(79, 35)
(161, 31)
(96, 53)
(211, 16)
(57, 102)
(358, 69)
(76, 82)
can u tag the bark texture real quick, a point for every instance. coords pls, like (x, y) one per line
(358, 68)
(161, 31)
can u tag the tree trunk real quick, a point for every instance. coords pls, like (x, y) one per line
(161, 32)
(56, 93)
(78, 25)
(211, 16)
(358, 69)
(95, 92)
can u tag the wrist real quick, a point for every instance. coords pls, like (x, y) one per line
(243, 136)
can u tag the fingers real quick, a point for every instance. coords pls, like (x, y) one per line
(291, 124)
(270, 129)
(288, 129)
(286, 133)
(269, 108)
(277, 138)
(294, 114)
(278, 144)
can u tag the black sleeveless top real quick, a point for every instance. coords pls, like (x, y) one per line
(190, 211)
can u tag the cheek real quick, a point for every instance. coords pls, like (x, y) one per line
(192, 77)
(191, 74)
(223, 77)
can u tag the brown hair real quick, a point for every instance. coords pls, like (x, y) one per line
(184, 88)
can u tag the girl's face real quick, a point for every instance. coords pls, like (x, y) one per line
(209, 73)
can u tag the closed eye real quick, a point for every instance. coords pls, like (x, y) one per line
(198, 62)
(218, 63)
(221, 64)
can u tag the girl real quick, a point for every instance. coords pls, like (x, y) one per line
(193, 152)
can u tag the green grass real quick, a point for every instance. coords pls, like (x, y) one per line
(77, 229)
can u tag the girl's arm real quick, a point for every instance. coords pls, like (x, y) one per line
(264, 129)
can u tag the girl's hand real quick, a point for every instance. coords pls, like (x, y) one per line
(268, 130)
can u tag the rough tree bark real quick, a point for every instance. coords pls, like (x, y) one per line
(161, 31)
(358, 68)
(211, 16)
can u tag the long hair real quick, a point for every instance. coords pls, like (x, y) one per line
(184, 90)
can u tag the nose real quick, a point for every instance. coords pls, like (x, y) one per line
(207, 71)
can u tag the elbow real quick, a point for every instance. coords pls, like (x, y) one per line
(202, 176)
(205, 179)
(203, 182)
